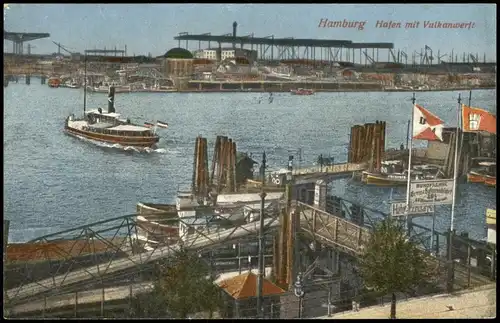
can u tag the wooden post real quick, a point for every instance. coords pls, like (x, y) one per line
(214, 159)
(351, 145)
(468, 265)
(205, 166)
(233, 175)
(44, 306)
(335, 232)
(314, 216)
(102, 303)
(76, 304)
(195, 166)
(437, 245)
(493, 263)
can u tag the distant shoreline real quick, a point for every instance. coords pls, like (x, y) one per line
(333, 90)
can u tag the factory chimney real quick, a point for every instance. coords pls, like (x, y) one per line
(235, 26)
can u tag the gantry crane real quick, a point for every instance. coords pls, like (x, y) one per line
(59, 47)
(369, 58)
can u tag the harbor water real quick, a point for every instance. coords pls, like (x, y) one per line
(54, 182)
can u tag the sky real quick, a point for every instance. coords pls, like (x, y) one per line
(151, 28)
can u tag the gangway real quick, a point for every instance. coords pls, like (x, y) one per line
(67, 282)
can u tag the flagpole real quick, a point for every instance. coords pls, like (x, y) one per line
(433, 230)
(454, 192)
(409, 162)
(455, 167)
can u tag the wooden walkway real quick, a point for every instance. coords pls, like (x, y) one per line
(351, 238)
(331, 170)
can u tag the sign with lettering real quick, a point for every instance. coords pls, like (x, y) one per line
(399, 209)
(492, 236)
(431, 192)
(491, 216)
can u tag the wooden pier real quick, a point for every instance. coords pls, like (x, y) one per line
(351, 238)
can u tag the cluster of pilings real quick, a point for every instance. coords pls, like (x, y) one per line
(200, 184)
(223, 175)
(367, 144)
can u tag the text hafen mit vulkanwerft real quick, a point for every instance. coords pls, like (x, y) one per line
(390, 24)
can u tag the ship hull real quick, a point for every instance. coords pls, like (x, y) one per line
(473, 177)
(380, 180)
(152, 219)
(490, 181)
(134, 141)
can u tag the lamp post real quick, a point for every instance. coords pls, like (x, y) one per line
(261, 272)
(298, 290)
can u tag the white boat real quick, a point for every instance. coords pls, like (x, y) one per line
(71, 85)
(104, 87)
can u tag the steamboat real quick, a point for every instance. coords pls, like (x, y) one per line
(110, 127)
(392, 173)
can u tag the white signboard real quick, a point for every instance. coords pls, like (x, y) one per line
(399, 209)
(431, 192)
(492, 236)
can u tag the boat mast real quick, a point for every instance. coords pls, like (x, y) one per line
(408, 185)
(85, 85)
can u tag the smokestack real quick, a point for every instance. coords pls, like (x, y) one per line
(218, 53)
(235, 26)
(111, 99)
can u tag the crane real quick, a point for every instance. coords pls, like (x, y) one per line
(29, 48)
(440, 57)
(394, 59)
(428, 58)
(474, 60)
(403, 54)
(59, 47)
(369, 58)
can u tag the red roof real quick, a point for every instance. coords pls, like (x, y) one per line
(245, 286)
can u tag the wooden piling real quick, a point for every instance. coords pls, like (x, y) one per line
(234, 167)
(359, 143)
(205, 166)
(289, 248)
(382, 140)
(195, 165)
(351, 145)
(376, 162)
(229, 161)
(215, 159)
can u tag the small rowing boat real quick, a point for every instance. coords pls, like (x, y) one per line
(162, 124)
(302, 92)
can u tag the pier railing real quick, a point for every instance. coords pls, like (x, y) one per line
(352, 239)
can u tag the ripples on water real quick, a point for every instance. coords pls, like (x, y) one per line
(54, 182)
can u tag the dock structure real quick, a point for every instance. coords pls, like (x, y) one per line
(18, 39)
(367, 56)
(302, 224)
(77, 279)
(340, 230)
(273, 48)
